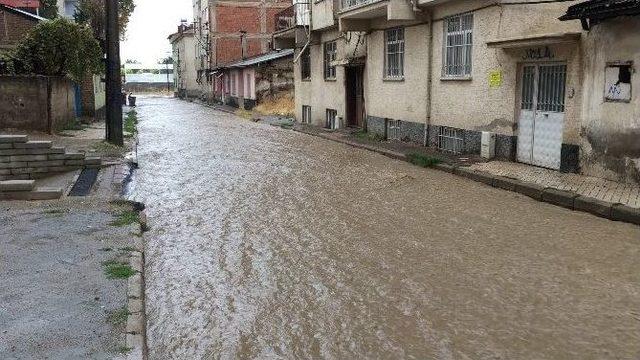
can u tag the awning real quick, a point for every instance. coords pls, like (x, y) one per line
(534, 40)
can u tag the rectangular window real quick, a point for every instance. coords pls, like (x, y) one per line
(331, 119)
(306, 114)
(233, 84)
(394, 53)
(305, 64)
(458, 44)
(450, 140)
(330, 55)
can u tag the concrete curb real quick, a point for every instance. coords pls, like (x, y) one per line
(566, 199)
(136, 323)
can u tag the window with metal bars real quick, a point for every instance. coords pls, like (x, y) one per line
(306, 114)
(305, 64)
(458, 45)
(394, 53)
(528, 87)
(330, 55)
(551, 88)
(331, 116)
(393, 129)
(450, 139)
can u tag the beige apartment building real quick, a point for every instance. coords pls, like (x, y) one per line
(442, 73)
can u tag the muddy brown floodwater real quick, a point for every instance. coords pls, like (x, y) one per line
(270, 244)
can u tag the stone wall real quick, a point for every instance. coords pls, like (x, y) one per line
(36, 103)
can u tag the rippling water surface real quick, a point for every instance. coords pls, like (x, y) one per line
(266, 243)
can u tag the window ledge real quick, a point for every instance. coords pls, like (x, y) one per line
(306, 80)
(392, 79)
(456, 78)
(330, 79)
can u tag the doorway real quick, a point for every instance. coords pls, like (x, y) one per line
(355, 95)
(541, 120)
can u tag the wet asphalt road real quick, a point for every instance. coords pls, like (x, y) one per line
(270, 244)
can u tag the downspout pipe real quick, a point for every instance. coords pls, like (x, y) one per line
(429, 101)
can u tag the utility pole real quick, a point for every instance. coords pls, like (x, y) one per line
(114, 81)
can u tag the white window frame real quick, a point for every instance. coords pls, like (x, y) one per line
(394, 44)
(457, 46)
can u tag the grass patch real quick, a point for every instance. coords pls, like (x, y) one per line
(423, 160)
(127, 217)
(128, 249)
(74, 124)
(124, 350)
(131, 122)
(55, 211)
(363, 135)
(286, 126)
(117, 270)
(244, 113)
(118, 317)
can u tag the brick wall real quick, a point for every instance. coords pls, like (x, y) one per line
(13, 28)
(230, 18)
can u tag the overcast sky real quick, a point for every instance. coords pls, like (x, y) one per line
(151, 23)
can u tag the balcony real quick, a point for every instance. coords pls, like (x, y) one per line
(290, 25)
(356, 15)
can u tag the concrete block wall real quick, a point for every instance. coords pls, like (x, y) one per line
(21, 159)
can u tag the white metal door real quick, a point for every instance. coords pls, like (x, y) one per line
(541, 122)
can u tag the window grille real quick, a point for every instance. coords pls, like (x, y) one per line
(450, 140)
(393, 129)
(330, 55)
(458, 45)
(305, 64)
(306, 114)
(551, 88)
(331, 119)
(394, 53)
(528, 87)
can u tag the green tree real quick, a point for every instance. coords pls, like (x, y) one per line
(92, 13)
(58, 48)
(49, 9)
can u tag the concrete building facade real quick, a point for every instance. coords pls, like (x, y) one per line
(440, 73)
(184, 48)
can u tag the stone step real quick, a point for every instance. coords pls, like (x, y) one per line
(93, 161)
(24, 151)
(12, 139)
(33, 145)
(42, 193)
(16, 185)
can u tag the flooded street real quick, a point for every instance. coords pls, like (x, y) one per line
(270, 244)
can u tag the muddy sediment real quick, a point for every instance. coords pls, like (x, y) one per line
(266, 243)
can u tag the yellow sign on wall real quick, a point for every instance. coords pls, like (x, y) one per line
(495, 78)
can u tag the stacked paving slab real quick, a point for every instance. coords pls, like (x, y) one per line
(26, 190)
(21, 159)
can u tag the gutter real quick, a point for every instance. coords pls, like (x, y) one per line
(429, 101)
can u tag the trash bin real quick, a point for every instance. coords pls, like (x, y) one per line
(123, 99)
(132, 101)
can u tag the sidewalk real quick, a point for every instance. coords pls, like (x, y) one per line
(604, 198)
(601, 189)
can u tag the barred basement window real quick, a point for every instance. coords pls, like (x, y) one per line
(305, 64)
(458, 42)
(393, 129)
(450, 139)
(394, 53)
(306, 114)
(331, 119)
(330, 55)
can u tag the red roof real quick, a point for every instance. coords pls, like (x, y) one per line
(34, 4)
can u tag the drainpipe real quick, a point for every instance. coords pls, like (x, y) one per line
(429, 80)
(243, 44)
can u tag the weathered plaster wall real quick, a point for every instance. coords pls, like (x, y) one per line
(319, 93)
(184, 53)
(404, 99)
(36, 103)
(610, 141)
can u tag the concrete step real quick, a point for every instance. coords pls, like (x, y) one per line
(33, 145)
(41, 193)
(10, 139)
(16, 185)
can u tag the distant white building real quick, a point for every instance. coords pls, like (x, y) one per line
(67, 8)
(148, 73)
(184, 46)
